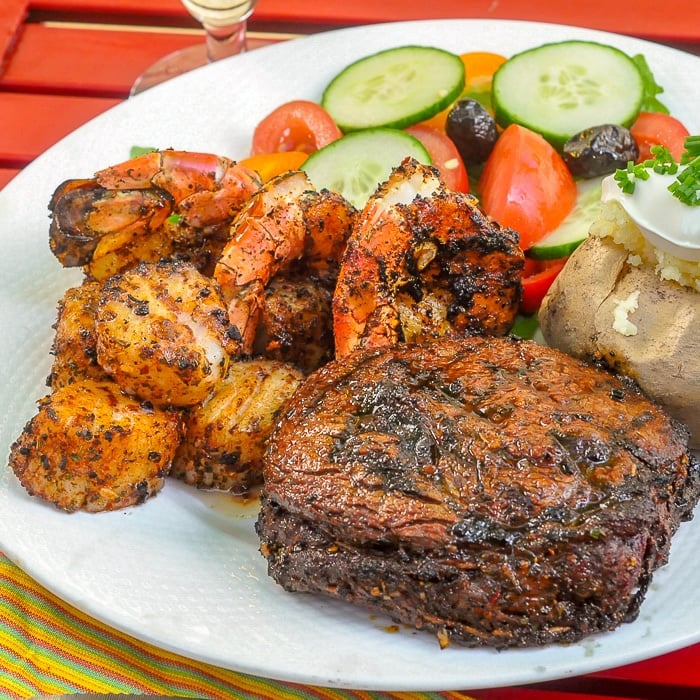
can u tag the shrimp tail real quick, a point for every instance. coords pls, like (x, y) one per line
(88, 220)
(244, 313)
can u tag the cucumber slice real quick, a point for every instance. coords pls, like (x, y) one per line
(394, 88)
(355, 164)
(560, 89)
(573, 231)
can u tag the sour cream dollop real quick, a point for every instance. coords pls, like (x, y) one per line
(663, 219)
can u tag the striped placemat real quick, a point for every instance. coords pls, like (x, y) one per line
(49, 647)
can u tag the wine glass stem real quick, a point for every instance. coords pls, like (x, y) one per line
(225, 41)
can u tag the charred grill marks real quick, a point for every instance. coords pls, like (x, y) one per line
(493, 491)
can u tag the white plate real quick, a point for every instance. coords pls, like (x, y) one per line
(183, 571)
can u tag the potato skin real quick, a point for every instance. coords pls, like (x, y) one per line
(90, 447)
(663, 357)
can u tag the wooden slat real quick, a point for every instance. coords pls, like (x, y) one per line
(649, 18)
(29, 124)
(675, 675)
(136, 8)
(12, 14)
(82, 61)
(591, 687)
(91, 61)
(539, 693)
(58, 77)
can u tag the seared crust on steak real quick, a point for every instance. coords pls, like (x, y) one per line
(494, 491)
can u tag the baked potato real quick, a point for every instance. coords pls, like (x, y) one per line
(601, 307)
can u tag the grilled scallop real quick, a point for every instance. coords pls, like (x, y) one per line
(226, 435)
(163, 333)
(75, 343)
(90, 447)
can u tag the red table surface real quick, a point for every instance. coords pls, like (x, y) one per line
(679, 19)
(64, 61)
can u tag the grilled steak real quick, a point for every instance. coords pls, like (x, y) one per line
(491, 490)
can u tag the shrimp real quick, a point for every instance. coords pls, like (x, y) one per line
(328, 217)
(296, 322)
(91, 447)
(422, 261)
(161, 204)
(89, 222)
(285, 222)
(207, 189)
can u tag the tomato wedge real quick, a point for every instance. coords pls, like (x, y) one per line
(656, 128)
(300, 125)
(537, 282)
(444, 155)
(525, 185)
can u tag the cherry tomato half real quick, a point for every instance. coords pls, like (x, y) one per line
(444, 155)
(300, 125)
(526, 185)
(656, 128)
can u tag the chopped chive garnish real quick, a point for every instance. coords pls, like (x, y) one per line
(686, 186)
(626, 177)
(662, 163)
(692, 146)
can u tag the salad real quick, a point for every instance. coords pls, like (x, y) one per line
(530, 136)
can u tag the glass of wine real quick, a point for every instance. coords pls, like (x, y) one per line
(224, 23)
